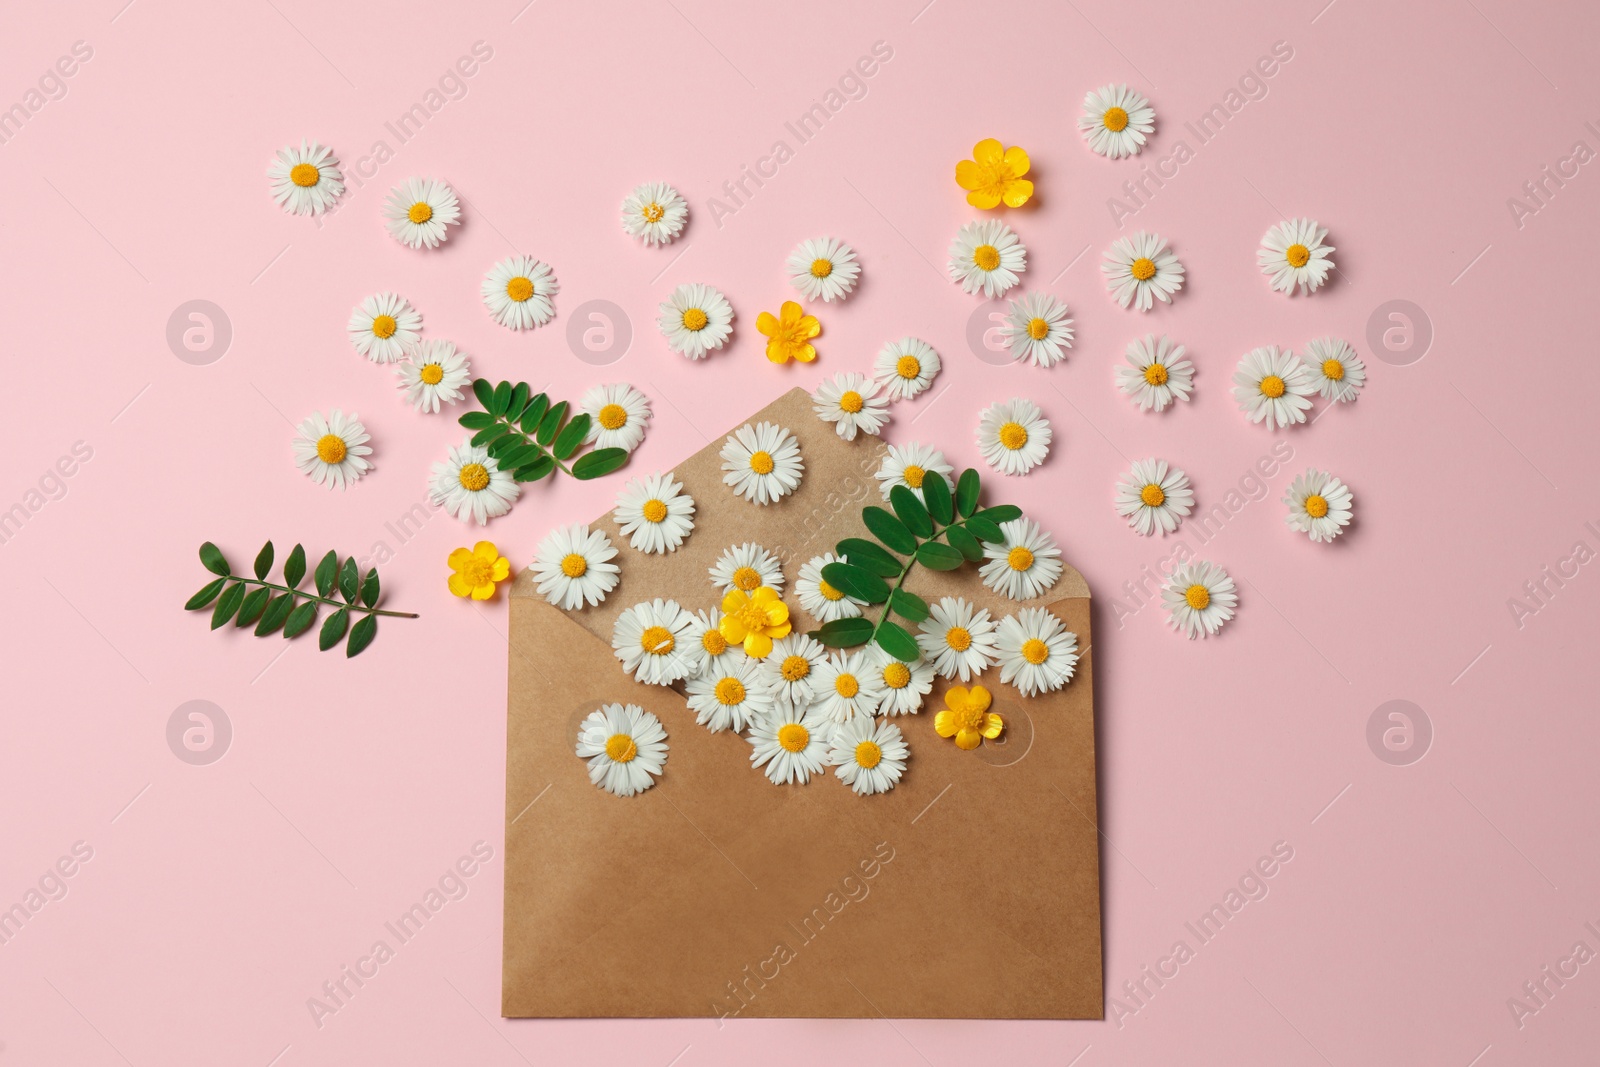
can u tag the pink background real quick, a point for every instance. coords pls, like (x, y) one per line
(219, 898)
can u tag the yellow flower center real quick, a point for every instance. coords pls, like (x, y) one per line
(1332, 369)
(656, 640)
(821, 268)
(969, 716)
(828, 592)
(384, 326)
(851, 401)
(986, 257)
(420, 213)
(613, 417)
(620, 747)
(1013, 435)
(1153, 496)
(752, 616)
(1297, 255)
(431, 373)
(1155, 374)
(896, 675)
(908, 367)
(1038, 329)
(1198, 596)
(846, 685)
(730, 691)
(1143, 268)
(746, 578)
(305, 175)
(958, 638)
(913, 475)
(1035, 651)
(713, 642)
(761, 462)
(1272, 386)
(574, 565)
(654, 511)
(1115, 119)
(331, 448)
(478, 572)
(474, 477)
(519, 288)
(868, 754)
(694, 319)
(1019, 558)
(654, 212)
(1316, 506)
(795, 668)
(793, 737)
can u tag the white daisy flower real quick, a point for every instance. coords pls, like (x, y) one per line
(517, 292)
(823, 268)
(332, 449)
(1115, 121)
(1154, 496)
(847, 685)
(654, 513)
(730, 696)
(705, 646)
(620, 414)
(1199, 597)
(1156, 374)
(851, 402)
(626, 747)
(747, 567)
(1320, 505)
(1292, 254)
(904, 684)
(1037, 652)
(1038, 330)
(434, 373)
(1025, 564)
(958, 640)
(793, 744)
(986, 257)
(305, 180)
(647, 639)
(1013, 436)
(695, 320)
(654, 213)
(790, 670)
(471, 486)
(419, 210)
(1336, 370)
(819, 599)
(762, 462)
(909, 465)
(1272, 386)
(905, 367)
(1139, 270)
(381, 327)
(573, 567)
(869, 756)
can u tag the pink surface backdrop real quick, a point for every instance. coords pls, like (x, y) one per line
(219, 898)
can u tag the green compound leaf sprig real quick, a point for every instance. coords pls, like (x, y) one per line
(284, 606)
(532, 437)
(911, 528)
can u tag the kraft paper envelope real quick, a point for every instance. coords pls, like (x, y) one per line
(971, 890)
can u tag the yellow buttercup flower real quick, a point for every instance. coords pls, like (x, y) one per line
(477, 570)
(967, 717)
(789, 333)
(754, 619)
(994, 175)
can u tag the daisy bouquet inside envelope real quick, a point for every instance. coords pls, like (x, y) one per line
(804, 727)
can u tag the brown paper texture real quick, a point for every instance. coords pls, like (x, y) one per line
(970, 890)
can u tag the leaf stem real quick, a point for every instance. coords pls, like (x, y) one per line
(322, 599)
(534, 441)
(911, 562)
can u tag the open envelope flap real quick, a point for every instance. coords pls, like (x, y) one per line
(971, 890)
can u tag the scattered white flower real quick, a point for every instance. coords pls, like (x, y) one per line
(850, 401)
(1272, 386)
(619, 415)
(904, 684)
(433, 373)
(905, 367)
(868, 755)
(1013, 436)
(1140, 270)
(792, 744)
(1156, 374)
(1292, 254)
(957, 639)
(573, 567)
(747, 567)
(1037, 652)
(626, 747)
(730, 696)
(419, 210)
(654, 213)
(646, 638)
(1038, 330)
(1115, 121)
(1336, 370)
(695, 320)
(1199, 597)
(987, 257)
(790, 670)
(847, 685)
(331, 449)
(909, 465)
(471, 486)
(305, 180)
(819, 599)
(1319, 505)
(762, 462)
(654, 513)
(517, 292)
(705, 646)
(1153, 496)
(1025, 564)
(823, 268)
(382, 326)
